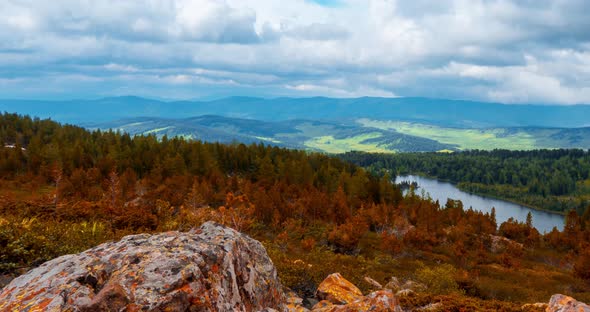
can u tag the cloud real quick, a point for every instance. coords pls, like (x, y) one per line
(496, 50)
(320, 32)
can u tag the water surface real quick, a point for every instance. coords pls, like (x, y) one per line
(543, 221)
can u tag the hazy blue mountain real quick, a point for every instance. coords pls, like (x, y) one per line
(332, 125)
(447, 113)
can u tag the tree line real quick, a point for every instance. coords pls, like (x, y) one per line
(556, 180)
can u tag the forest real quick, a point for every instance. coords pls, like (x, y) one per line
(556, 180)
(64, 189)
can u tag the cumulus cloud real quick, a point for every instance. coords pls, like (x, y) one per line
(320, 32)
(496, 50)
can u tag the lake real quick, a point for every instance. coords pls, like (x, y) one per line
(543, 221)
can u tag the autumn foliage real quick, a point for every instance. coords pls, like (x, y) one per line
(64, 189)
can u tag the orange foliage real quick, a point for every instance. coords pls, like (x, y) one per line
(237, 212)
(345, 237)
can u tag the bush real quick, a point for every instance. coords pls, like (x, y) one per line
(582, 265)
(440, 279)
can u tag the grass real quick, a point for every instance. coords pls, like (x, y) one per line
(316, 135)
(485, 139)
(330, 144)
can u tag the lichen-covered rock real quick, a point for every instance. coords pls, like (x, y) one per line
(294, 303)
(382, 300)
(342, 296)
(323, 306)
(562, 303)
(373, 283)
(211, 269)
(338, 290)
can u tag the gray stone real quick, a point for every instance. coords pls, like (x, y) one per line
(211, 269)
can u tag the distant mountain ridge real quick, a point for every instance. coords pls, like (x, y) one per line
(343, 136)
(440, 112)
(329, 124)
(325, 136)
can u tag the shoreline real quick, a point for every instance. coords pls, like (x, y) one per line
(561, 213)
(485, 195)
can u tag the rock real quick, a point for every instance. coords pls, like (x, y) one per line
(293, 298)
(562, 303)
(338, 290)
(296, 308)
(211, 269)
(342, 296)
(394, 284)
(294, 303)
(309, 302)
(373, 283)
(500, 243)
(323, 306)
(382, 300)
(404, 293)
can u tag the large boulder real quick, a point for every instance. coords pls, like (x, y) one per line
(562, 303)
(213, 268)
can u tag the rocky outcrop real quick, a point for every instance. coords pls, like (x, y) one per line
(500, 244)
(562, 303)
(213, 268)
(339, 295)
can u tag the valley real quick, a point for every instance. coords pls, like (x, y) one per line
(381, 136)
(295, 156)
(65, 189)
(332, 125)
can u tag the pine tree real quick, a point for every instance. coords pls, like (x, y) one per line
(529, 220)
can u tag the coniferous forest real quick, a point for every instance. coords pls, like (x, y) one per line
(64, 189)
(554, 180)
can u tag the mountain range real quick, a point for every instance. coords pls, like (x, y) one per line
(442, 112)
(329, 124)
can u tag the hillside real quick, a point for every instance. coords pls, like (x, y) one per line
(64, 189)
(331, 125)
(359, 135)
(212, 268)
(324, 136)
(511, 138)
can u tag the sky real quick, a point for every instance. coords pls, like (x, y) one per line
(508, 51)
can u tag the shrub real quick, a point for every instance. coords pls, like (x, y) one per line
(582, 265)
(440, 279)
